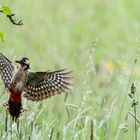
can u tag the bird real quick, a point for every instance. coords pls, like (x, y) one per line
(34, 86)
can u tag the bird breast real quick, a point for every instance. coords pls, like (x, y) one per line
(18, 81)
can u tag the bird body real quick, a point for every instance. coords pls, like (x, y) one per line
(18, 80)
(16, 87)
(34, 86)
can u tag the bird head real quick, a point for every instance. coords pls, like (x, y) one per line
(24, 62)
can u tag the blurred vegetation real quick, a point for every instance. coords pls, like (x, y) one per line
(100, 42)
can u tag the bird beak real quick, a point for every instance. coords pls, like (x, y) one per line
(18, 61)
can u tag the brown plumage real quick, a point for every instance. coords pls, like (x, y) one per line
(34, 86)
(42, 85)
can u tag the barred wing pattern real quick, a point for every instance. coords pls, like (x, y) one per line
(6, 69)
(42, 85)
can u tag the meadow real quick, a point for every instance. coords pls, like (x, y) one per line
(100, 42)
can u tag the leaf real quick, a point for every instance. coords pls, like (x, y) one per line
(1, 37)
(130, 95)
(7, 11)
(133, 89)
(134, 103)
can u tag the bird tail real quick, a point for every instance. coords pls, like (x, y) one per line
(14, 108)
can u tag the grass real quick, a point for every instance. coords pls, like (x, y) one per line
(99, 41)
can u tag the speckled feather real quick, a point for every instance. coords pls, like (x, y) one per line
(34, 86)
(42, 85)
(6, 69)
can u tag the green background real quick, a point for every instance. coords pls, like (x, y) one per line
(100, 41)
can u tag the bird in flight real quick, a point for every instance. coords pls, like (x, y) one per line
(34, 86)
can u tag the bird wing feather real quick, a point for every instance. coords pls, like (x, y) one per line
(42, 85)
(6, 70)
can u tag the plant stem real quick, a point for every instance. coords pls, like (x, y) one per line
(135, 114)
(134, 118)
(135, 123)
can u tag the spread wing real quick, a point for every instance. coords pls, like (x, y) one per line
(42, 85)
(6, 69)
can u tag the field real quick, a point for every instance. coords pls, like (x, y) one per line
(100, 42)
